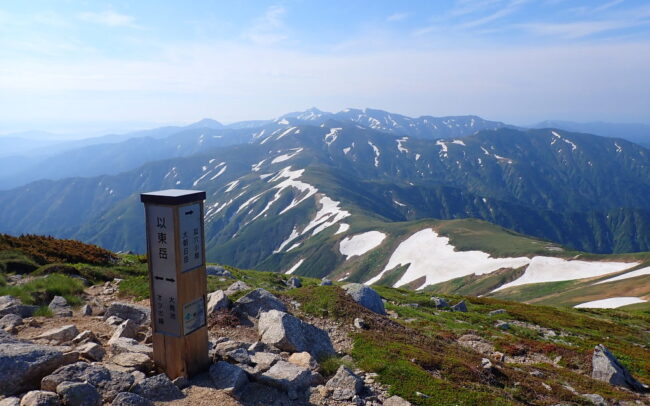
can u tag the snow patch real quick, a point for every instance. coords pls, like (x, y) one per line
(286, 157)
(343, 227)
(360, 244)
(286, 132)
(374, 148)
(459, 142)
(331, 136)
(295, 267)
(221, 171)
(633, 274)
(232, 185)
(417, 157)
(610, 303)
(258, 165)
(346, 150)
(400, 147)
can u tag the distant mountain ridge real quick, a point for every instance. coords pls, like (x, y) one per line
(635, 132)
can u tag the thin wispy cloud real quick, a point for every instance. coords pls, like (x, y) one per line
(501, 12)
(108, 18)
(270, 28)
(397, 17)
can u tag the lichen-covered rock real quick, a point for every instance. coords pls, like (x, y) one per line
(228, 377)
(606, 368)
(303, 359)
(158, 388)
(236, 287)
(130, 399)
(78, 394)
(107, 381)
(40, 398)
(345, 384)
(23, 364)
(366, 297)
(59, 307)
(253, 304)
(217, 301)
(289, 333)
(292, 379)
(135, 313)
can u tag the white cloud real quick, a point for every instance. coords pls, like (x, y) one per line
(269, 28)
(397, 17)
(108, 18)
(578, 29)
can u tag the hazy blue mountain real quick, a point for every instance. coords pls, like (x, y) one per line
(298, 184)
(635, 132)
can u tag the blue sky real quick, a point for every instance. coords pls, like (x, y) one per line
(93, 66)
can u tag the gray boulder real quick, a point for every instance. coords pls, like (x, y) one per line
(289, 333)
(13, 401)
(40, 398)
(61, 334)
(86, 310)
(216, 270)
(236, 287)
(9, 322)
(217, 301)
(158, 388)
(366, 297)
(113, 320)
(345, 384)
(396, 401)
(128, 329)
(439, 302)
(325, 282)
(91, 351)
(250, 306)
(228, 377)
(130, 345)
(290, 378)
(108, 382)
(130, 399)
(294, 282)
(78, 394)
(460, 307)
(133, 360)
(23, 364)
(606, 368)
(13, 305)
(59, 307)
(138, 314)
(497, 311)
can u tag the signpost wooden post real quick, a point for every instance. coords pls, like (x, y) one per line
(177, 280)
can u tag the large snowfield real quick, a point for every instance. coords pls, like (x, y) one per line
(360, 243)
(610, 303)
(627, 275)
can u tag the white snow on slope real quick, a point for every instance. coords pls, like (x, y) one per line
(374, 148)
(286, 157)
(329, 214)
(360, 243)
(232, 185)
(283, 121)
(431, 256)
(400, 147)
(221, 171)
(399, 203)
(610, 303)
(256, 167)
(331, 136)
(417, 157)
(346, 150)
(459, 142)
(442, 145)
(343, 227)
(550, 269)
(294, 234)
(633, 274)
(291, 177)
(286, 132)
(485, 151)
(559, 137)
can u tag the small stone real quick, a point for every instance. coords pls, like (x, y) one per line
(460, 307)
(10, 402)
(228, 377)
(294, 282)
(324, 391)
(78, 394)
(290, 378)
(133, 360)
(236, 287)
(537, 374)
(608, 369)
(547, 386)
(40, 398)
(9, 322)
(59, 307)
(303, 359)
(495, 312)
(345, 384)
(325, 282)
(181, 382)
(216, 270)
(595, 399)
(250, 306)
(61, 334)
(258, 346)
(439, 302)
(130, 399)
(396, 401)
(239, 355)
(158, 388)
(130, 345)
(138, 376)
(84, 337)
(486, 363)
(502, 325)
(128, 329)
(360, 323)
(91, 351)
(289, 333)
(86, 310)
(138, 314)
(217, 301)
(107, 381)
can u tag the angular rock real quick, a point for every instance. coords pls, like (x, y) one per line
(289, 333)
(86, 310)
(360, 323)
(10, 402)
(459, 307)
(253, 304)
(325, 282)
(216, 270)
(294, 282)
(595, 399)
(13, 305)
(236, 287)
(606, 368)
(439, 302)
(503, 325)
(158, 388)
(114, 321)
(130, 399)
(138, 314)
(264, 360)
(303, 359)
(130, 345)
(9, 322)
(91, 351)
(396, 401)
(61, 334)
(23, 364)
(40, 398)
(59, 307)
(107, 381)
(239, 355)
(495, 312)
(78, 394)
(85, 337)
(288, 377)
(228, 377)
(134, 360)
(181, 382)
(345, 384)
(217, 300)
(128, 329)
(366, 297)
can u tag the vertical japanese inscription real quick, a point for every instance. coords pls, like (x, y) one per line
(162, 252)
(191, 236)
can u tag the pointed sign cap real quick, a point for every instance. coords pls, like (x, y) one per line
(172, 196)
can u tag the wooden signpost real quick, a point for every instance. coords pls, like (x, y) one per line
(177, 280)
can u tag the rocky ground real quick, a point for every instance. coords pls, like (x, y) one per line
(265, 350)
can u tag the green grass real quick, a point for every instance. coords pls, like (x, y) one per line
(41, 291)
